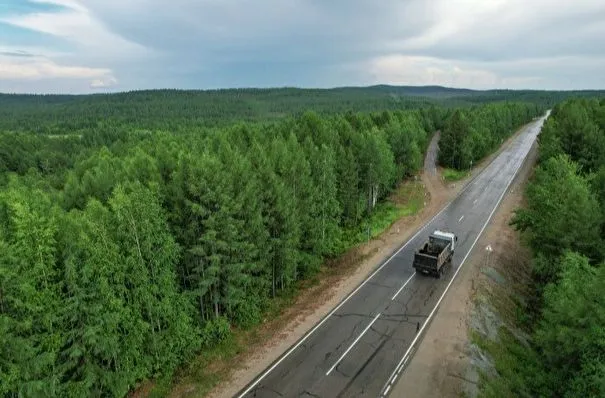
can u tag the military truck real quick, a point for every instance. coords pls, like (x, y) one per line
(435, 254)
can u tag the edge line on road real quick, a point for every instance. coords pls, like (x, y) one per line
(401, 288)
(352, 345)
(393, 375)
(282, 357)
(326, 317)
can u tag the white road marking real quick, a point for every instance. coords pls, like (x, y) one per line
(387, 390)
(475, 201)
(352, 345)
(404, 358)
(402, 286)
(306, 336)
(460, 218)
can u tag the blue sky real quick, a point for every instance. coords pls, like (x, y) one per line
(82, 46)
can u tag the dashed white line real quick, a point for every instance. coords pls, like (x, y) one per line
(402, 286)
(460, 218)
(471, 183)
(306, 336)
(387, 390)
(352, 345)
(404, 359)
(475, 201)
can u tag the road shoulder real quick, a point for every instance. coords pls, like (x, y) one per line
(277, 335)
(440, 366)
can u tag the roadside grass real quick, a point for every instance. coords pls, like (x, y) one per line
(509, 354)
(512, 363)
(407, 200)
(452, 175)
(201, 374)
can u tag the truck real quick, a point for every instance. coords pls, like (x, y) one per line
(435, 254)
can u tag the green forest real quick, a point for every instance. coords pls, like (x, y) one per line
(197, 110)
(564, 225)
(130, 245)
(470, 134)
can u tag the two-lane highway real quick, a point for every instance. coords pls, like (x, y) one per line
(360, 348)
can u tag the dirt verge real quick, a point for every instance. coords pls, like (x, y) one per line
(275, 336)
(440, 366)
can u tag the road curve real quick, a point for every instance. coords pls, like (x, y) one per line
(361, 347)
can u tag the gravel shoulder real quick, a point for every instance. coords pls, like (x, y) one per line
(312, 304)
(442, 364)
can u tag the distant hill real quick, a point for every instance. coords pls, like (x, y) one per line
(179, 109)
(424, 91)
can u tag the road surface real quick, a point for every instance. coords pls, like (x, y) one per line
(360, 348)
(432, 153)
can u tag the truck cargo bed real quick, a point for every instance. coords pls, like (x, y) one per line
(434, 255)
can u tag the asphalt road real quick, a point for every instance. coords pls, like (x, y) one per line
(360, 348)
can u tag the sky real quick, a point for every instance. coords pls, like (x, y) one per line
(86, 46)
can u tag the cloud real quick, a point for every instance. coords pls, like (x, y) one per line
(317, 43)
(105, 82)
(561, 73)
(17, 53)
(306, 42)
(408, 70)
(90, 57)
(27, 67)
(77, 25)
(512, 29)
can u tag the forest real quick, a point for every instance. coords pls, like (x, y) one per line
(191, 111)
(470, 134)
(564, 225)
(127, 251)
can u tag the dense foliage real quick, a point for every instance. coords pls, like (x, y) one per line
(124, 251)
(186, 111)
(564, 225)
(472, 133)
(195, 110)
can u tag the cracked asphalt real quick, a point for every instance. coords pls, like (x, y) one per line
(372, 357)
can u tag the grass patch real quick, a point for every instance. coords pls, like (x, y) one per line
(203, 373)
(406, 201)
(451, 175)
(516, 367)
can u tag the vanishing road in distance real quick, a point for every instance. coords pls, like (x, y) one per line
(360, 348)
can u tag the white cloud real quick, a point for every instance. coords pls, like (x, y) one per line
(451, 17)
(105, 82)
(507, 29)
(73, 4)
(413, 70)
(77, 25)
(210, 43)
(33, 67)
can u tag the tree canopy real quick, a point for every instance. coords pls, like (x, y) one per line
(564, 226)
(132, 239)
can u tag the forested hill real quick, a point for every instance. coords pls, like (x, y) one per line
(124, 256)
(179, 110)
